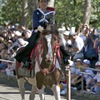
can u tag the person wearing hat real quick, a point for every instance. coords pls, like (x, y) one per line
(92, 45)
(64, 47)
(77, 46)
(89, 74)
(41, 18)
(79, 64)
(96, 87)
(86, 77)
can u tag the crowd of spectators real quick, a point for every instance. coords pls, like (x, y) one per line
(12, 37)
(84, 47)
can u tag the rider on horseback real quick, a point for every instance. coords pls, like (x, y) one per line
(41, 18)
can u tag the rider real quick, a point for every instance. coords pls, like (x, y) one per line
(41, 18)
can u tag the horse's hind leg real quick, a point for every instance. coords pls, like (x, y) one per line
(21, 82)
(56, 91)
(33, 91)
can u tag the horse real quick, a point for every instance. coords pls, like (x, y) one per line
(47, 61)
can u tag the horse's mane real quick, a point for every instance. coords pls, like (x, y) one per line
(51, 29)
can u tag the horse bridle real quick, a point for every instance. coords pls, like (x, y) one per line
(56, 54)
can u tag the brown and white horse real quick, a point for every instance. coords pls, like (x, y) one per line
(47, 63)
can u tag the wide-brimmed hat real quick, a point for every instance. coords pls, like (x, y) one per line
(78, 60)
(97, 64)
(86, 61)
(66, 33)
(72, 31)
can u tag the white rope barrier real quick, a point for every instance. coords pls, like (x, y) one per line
(97, 70)
(83, 73)
(7, 61)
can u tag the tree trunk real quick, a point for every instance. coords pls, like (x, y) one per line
(32, 6)
(87, 12)
(24, 12)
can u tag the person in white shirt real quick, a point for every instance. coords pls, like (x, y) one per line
(78, 44)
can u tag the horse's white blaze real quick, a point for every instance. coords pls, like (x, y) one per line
(49, 54)
(57, 64)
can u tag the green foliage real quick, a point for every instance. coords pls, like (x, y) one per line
(12, 11)
(69, 12)
(95, 17)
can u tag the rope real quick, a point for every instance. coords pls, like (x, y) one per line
(7, 61)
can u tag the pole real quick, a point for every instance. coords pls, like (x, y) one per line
(68, 78)
(82, 84)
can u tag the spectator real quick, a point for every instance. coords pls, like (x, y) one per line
(84, 33)
(27, 34)
(76, 78)
(75, 72)
(4, 55)
(77, 46)
(91, 53)
(87, 76)
(64, 48)
(88, 73)
(96, 87)
(63, 84)
(9, 71)
(79, 64)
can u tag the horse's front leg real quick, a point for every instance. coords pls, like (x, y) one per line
(41, 93)
(21, 83)
(56, 91)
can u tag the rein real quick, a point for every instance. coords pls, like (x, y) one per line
(37, 57)
(56, 54)
(57, 50)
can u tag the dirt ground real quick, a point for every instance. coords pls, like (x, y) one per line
(9, 91)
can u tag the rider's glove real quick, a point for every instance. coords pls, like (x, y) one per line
(40, 28)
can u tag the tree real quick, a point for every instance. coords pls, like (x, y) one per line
(24, 12)
(69, 12)
(87, 12)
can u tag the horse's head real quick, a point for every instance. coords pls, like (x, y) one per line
(48, 40)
